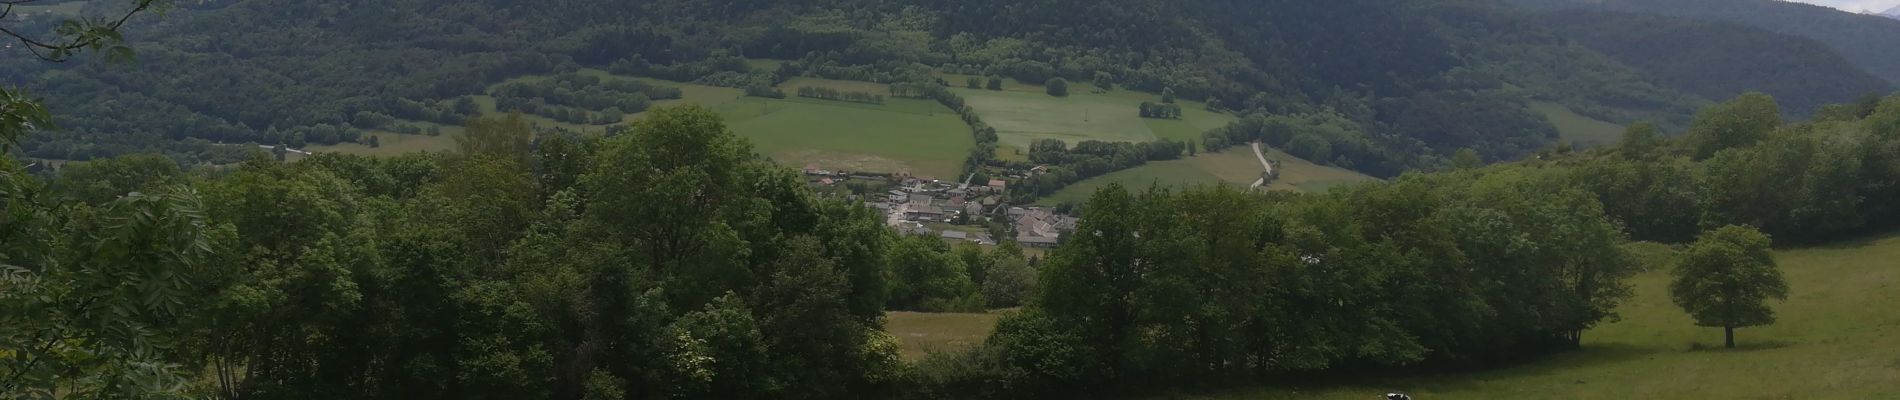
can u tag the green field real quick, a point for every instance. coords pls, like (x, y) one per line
(791, 86)
(1024, 113)
(1023, 117)
(901, 135)
(1173, 173)
(922, 333)
(1301, 175)
(395, 144)
(1235, 166)
(1195, 121)
(1838, 338)
(1576, 128)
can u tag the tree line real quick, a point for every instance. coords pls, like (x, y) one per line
(825, 93)
(575, 98)
(1087, 159)
(1472, 267)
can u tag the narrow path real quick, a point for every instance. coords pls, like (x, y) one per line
(1263, 164)
(286, 148)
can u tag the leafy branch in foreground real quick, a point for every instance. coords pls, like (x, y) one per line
(77, 34)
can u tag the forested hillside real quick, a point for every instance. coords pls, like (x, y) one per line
(1719, 60)
(1422, 78)
(1870, 41)
(670, 262)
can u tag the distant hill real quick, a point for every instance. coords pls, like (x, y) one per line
(1720, 60)
(1870, 41)
(1891, 12)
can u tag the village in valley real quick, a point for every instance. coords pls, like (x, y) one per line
(957, 211)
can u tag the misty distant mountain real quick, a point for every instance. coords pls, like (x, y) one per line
(1891, 12)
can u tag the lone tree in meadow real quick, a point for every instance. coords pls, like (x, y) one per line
(1058, 87)
(1726, 278)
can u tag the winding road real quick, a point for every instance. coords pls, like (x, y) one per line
(1263, 164)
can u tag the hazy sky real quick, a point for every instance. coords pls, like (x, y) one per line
(1855, 5)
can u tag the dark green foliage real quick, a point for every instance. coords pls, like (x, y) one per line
(1088, 159)
(570, 98)
(995, 83)
(825, 93)
(100, 302)
(101, 181)
(1214, 282)
(1009, 283)
(1725, 279)
(1165, 110)
(484, 278)
(926, 277)
(1660, 200)
(1466, 159)
(1640, 142)
(1057, 87)
(1738, 123)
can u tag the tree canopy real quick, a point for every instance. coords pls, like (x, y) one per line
(1725, 279)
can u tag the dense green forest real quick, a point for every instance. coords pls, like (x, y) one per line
(1719, 60)
(668, 261)
(1421, 78)
(1870, 41)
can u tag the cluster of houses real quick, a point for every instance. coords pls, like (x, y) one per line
(913, 205)
(1040, 226)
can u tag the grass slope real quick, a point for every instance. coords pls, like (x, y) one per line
(902, 135)
(393, 144)
(922, 333)
(1023, 113)
(1580, 130)
(1838, 338)
(1172, 173)
(1023, 117)
(918, 136)
(1301, 175)
(1236, 166)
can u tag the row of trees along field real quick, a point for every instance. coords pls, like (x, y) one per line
(668, 261)
(1087, 159)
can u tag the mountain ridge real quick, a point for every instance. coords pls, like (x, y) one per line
(1870, 41)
